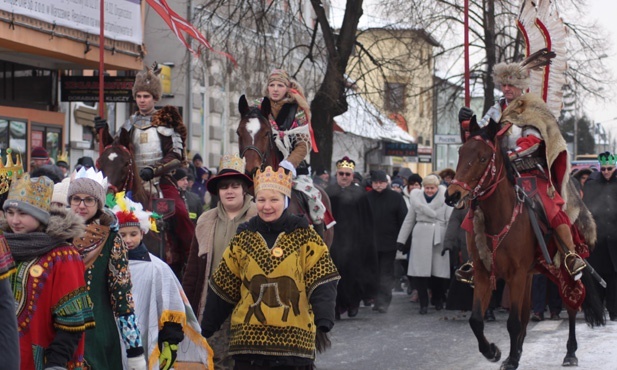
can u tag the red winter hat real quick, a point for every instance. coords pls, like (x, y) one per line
(39, 153)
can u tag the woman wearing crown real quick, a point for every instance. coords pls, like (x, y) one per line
(52, 303)
(107, 275)
(278, 283)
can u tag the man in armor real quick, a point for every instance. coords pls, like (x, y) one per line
(536, 149)
(157, 140)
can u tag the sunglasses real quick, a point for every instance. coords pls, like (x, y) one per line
(344, 173)
(606, 169)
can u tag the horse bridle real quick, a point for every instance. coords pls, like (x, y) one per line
(490, 173)
(262, 156)
(128, 182)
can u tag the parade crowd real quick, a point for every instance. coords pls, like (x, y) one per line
(242, 282)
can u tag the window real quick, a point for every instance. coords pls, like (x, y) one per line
(49, 137)
(394, 97)
(13, 135)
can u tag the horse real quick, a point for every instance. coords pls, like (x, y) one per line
(117, 164)
(484, 176)
(258, 148)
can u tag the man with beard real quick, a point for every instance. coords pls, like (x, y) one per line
(352, 250)
(601, 198)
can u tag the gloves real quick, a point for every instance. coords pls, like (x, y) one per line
(146, 173)
(464, 114)
(100, 123)
(137, 363)
(167, 356)
(288, 166)
(443, 251)
(402, 247)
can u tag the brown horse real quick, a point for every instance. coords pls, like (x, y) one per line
(484, 176)
(257, 147)
(117, 164)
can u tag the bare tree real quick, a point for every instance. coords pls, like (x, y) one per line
(494, 38)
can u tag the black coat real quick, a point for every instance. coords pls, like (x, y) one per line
(600, 196)
(389, 211)
(353, 250)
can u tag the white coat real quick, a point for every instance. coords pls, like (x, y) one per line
(427, 223)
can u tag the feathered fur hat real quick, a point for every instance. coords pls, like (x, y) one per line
(149, 81)
(517, 74)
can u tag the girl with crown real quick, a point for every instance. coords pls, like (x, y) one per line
(278, 283)
(52, 302)
(214, 230)
(107, 275)
(166, 319)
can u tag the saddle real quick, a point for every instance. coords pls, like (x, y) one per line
(301, 199)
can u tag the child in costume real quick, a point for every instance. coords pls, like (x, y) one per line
(170, 331)
(53, 306)
(107, 275)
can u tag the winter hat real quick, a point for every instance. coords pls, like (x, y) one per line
(86, 162)
(197, 157)
(414, 178)
(179, 174)
(89, 182)
(397, 181)
(53, 172)
(511, 74)
(404, 173)
(61, 190)
(32, 196)
(39, 153)
(379, 176)
(149, 81)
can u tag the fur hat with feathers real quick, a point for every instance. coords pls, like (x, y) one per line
(517, 74)
(149, 81)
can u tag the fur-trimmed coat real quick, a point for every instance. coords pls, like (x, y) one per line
(199, 265)
(427, 222)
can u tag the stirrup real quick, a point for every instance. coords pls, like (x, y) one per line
(576, 269)
(464, 274)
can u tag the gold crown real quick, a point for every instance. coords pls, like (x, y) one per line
(64, 157)
(10, 170)
(270, 180)
(344, 163)
(36, 192)
(232, 162)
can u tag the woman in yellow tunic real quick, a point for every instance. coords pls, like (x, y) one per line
(278, 279)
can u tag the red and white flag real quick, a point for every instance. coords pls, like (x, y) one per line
(177, 24)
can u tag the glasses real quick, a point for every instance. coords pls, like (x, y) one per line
(88, 202)
(344, 174)
(606, 169)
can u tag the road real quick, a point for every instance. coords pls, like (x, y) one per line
(442, 340)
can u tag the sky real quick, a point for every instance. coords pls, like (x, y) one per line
(606, 113)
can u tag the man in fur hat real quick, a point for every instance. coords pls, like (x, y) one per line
(157, 139)
(536, 149)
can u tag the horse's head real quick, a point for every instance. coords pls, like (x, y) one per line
(476, 171)
(255, 139)
(116, 163)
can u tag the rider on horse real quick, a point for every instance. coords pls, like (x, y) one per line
(535, 149)
(291, 119)
(157, 140)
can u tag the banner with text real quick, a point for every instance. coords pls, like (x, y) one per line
(122, 17)
(86, 89)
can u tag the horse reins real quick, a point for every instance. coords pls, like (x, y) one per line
(262, 156)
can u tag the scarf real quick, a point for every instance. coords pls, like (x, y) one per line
(26, 247)
(90, 245)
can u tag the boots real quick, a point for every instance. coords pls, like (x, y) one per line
(573, 262)
(464, 274)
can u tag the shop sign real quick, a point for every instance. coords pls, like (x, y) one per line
(86, 89)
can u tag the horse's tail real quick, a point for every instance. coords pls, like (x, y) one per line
(593, 307)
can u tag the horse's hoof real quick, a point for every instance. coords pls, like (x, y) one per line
(496, 353)
(508, 365)
(570, 360)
